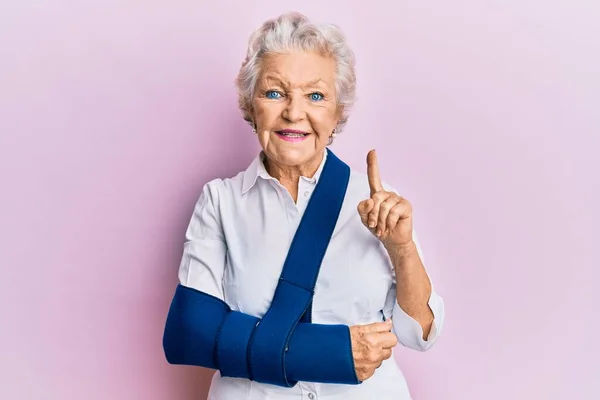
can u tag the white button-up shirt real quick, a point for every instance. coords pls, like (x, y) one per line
(235, 248)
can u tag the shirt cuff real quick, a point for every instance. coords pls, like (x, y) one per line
(410, 332)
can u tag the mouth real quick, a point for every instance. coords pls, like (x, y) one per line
(292, 135)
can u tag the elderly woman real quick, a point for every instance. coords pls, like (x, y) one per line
(300, 276)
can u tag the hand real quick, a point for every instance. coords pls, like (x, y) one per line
(371, 344)
(385, 214)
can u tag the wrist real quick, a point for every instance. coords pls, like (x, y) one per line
(401, 249)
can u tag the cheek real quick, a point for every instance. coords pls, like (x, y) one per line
(266, 115)
(258, 112)
(323, 120)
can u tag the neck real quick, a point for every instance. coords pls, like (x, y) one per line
(289, 176)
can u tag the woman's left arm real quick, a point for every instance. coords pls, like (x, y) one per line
(416, 309)
(419, 312)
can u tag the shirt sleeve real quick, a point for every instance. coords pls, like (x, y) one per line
(406, 328)
(204, 250)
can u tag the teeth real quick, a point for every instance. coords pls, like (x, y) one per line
(294, 135)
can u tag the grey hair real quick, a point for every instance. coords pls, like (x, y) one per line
(294, 31)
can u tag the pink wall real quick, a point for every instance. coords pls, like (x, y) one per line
(114, 113)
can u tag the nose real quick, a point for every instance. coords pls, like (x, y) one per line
(294, 110)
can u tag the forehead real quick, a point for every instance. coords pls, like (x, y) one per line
(299, 69)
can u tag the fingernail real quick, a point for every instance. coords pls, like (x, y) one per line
(371, 224)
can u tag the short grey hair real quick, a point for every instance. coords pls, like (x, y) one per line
(294, 31)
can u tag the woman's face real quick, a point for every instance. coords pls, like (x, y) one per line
(294, 107)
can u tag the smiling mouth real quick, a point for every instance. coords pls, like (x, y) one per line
(291, 133)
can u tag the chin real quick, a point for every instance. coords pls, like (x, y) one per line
(295, 156)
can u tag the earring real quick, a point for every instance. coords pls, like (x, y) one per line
(254, 128)
(332, 136)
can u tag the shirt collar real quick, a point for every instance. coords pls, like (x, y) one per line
(257, 169)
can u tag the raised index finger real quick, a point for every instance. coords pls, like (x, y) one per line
(373, 172)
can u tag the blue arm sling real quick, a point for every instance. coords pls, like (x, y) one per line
(283, 347)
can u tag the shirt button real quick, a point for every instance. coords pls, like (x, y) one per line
(311, 396)
(306, 193)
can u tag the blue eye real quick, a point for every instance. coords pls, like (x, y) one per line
(271, 94)
(316, 96)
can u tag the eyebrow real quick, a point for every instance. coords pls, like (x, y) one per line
(274, 77)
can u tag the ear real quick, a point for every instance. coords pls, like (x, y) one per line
(338, 114)
(249, 117)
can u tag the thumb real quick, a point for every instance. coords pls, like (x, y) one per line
(364, 208)
(379, 327)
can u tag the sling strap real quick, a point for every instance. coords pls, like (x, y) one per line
(295, 288)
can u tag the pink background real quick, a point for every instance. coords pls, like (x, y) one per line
(113, 114)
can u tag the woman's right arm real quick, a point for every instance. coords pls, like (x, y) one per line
(202, 330)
